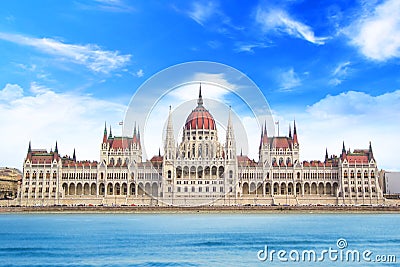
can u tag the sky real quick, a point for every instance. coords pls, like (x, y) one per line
(67, 67)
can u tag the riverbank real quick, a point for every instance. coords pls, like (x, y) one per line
(205, 209)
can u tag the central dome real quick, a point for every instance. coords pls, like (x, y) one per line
(200, 117)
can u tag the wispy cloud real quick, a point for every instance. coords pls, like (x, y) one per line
(376, 33)
(118, 6)
(278, 20)
(139, 73)
(248, 47)
(288, 80)
(201, 12)
(89, 55)
(340, 73)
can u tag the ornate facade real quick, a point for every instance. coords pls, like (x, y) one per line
(200, 170)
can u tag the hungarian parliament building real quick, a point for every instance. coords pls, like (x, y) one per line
(200, 170)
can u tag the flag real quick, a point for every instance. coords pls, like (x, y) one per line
(121, 123)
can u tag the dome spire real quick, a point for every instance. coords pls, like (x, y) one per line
(200, 100)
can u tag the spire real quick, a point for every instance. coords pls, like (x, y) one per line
(265, 127)
(29, 147)
(241, 153)
(230, 146)
(138, 133)
(200, 100)
(295, 133)
(134, 129)
(105, 133)
(110, 135)
(74, 155)
(159, 152)
(326, 154)
(169, 145)
(265, 134)
(370, 153)
(290, 131)
(56, 148)
(343, 149)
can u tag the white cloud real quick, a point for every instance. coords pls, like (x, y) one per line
(248, 47)
(340, 73)
(75, 121)
(355, 118)
(140, 73)
(278, 20)
(90, 55)
(377, 34)
(11, 92)
(118, 6)
(288, 80)
(201, 12)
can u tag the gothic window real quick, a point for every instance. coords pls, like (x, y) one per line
(206, 151)
(280, 161)
(169, 175)
(200, 151)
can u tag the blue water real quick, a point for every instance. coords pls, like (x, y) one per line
(188, 239)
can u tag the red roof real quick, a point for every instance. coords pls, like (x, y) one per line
(200, 118)
(357, 159)
(281, 142)
(244, 161)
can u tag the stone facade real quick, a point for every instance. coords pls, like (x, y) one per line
(200, 170)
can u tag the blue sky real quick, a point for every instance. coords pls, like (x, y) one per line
(68, 66)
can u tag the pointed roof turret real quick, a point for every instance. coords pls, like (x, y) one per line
(295, 133)
(370, 153)
(29, 147)
(326, 154)
(265, 134)
(56, 148)
(343, 149)
(105, 133)
(74, 155)
(110, 135)
(290, 131)
(200, 100)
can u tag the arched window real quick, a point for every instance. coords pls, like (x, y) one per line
(169, 174)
